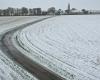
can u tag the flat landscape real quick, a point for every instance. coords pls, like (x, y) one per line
(67, 45)
(10, 70)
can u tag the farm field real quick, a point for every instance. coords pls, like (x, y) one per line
(9, 70)
(66, 45)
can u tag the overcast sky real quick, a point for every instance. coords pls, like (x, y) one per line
(44, 4)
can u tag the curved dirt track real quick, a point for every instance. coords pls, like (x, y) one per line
(33, 67)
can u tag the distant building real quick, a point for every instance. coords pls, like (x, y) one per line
(37, 11)
(31, 12)
(72, 11)
(94, 11)
(76, 12)
(34, 11)
(44, 12)
(18, 12)
(1, 12)
(68, 9)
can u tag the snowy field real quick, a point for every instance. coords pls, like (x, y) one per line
(8, 69)
(67, 45)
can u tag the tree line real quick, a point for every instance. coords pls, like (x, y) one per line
(38, 11)
(28, 11)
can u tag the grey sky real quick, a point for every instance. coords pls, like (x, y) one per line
(44, 4)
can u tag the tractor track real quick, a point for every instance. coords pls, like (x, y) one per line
(31, 66)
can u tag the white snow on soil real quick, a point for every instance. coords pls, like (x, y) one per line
(67, 45)
(8, 69)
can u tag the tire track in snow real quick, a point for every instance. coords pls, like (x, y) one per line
(33, 67)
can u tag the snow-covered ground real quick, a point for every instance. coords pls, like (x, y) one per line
(67, 45)
(8, 69)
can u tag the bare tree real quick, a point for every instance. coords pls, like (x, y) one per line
(5, 12)
(1, 12)
(24, 11)
(51, 10)
(59, 12)
(84, 11)
(10, 11)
